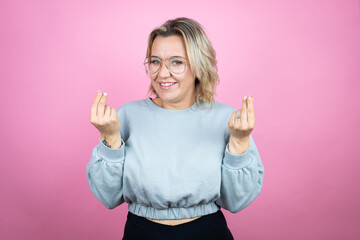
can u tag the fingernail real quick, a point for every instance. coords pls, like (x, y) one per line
(245, 98)
(105, 93)
(98, 92)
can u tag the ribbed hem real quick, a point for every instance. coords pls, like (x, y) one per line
(112, 154)
(173, 213)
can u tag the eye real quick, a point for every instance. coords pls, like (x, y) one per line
(155, 61)
(176, 62)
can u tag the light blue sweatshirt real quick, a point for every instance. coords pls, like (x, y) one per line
(174, 164)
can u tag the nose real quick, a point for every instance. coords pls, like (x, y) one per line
(164, 72)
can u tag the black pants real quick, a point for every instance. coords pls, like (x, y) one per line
(208, 227)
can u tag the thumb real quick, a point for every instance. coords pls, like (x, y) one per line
(104, 98)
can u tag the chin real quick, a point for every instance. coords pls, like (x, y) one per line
(167, 98)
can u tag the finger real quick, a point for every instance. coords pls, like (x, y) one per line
(94, 105)
(107, 112)
(113, 114)
(237, 117)
(232, 119)
(243, 111)
(101, 106)
(251, 113)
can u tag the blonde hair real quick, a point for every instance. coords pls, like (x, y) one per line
(201, 55)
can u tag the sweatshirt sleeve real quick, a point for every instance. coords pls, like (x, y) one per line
(105, 174)
(241, 178)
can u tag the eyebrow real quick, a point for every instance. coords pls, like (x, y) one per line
(169, 57)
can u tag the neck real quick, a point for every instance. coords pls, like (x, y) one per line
(174, 105)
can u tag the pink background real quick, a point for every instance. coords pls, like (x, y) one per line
(300, 60)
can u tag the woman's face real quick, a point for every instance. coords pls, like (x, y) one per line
(181, 93)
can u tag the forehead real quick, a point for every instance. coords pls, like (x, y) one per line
(165, 47)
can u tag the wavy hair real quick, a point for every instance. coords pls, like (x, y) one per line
(201, 55)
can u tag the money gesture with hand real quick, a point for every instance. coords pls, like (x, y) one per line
(106, 120)
(240, 125)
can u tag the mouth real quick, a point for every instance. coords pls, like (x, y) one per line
(167, 85)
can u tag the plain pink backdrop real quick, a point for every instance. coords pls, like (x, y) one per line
(299, 59)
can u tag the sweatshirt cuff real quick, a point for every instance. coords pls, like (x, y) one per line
(234, 161)
(112, 154)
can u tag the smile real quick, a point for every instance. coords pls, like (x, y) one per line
(166, 85)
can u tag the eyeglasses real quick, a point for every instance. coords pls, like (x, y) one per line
(176, 65)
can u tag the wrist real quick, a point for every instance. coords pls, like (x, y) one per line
(238, 146)
(111, 141)
(110, 137)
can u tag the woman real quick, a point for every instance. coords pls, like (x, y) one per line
(180, 157)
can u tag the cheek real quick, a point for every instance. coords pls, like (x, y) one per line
(189, 79)
(189, 76)
(153, 78)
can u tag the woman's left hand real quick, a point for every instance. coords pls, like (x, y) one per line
(240, 125)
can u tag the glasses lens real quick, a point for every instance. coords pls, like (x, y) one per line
(153, 64)
(176, 65)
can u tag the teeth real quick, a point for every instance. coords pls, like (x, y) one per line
(166, 84)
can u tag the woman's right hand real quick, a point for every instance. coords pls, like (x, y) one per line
(105, 119)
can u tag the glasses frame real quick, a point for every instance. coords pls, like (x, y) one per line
(166, 61)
